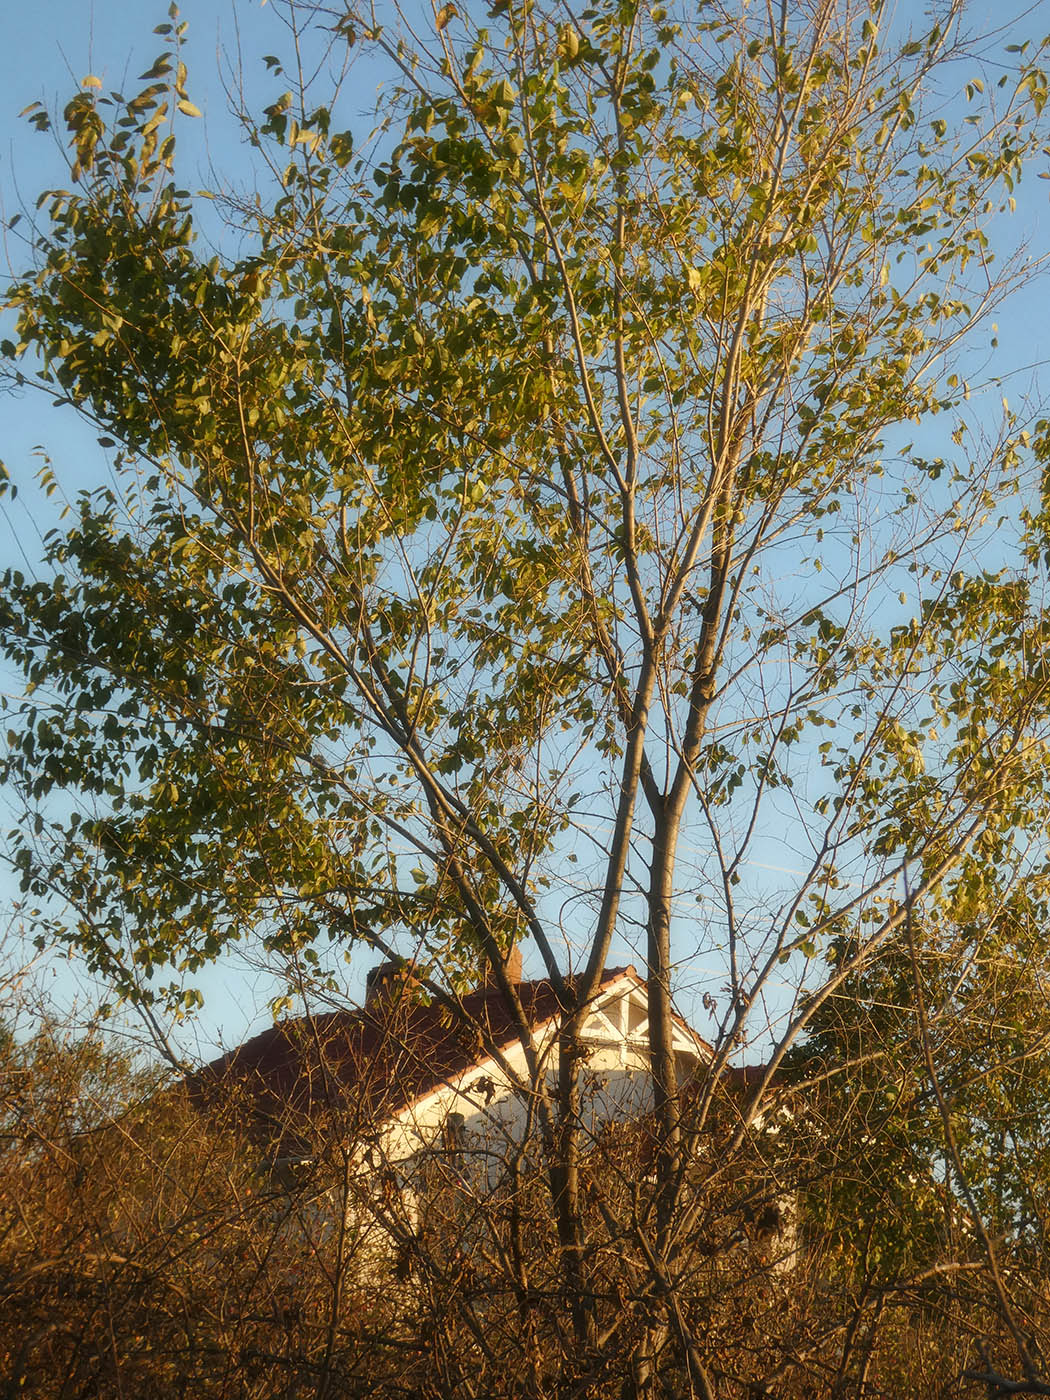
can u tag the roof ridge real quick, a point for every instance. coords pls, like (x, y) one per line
(334, 1014)
(393, 1051)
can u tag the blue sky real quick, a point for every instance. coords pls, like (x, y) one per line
(49, 47)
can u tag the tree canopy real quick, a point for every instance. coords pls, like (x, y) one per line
(541, 510)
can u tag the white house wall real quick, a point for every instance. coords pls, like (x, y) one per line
(615, 1084)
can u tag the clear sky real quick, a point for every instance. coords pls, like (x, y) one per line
(48, 48)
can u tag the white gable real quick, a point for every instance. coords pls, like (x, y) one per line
(483, 1103)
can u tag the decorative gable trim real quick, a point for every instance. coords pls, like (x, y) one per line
(609, 1023)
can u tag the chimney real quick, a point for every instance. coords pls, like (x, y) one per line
(387, 978)
(512, 966)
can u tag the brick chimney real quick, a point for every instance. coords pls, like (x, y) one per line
(388, 977)
(513, 968)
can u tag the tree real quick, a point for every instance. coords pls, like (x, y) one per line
(517, 515)
(144, 1251)
(935, 1165)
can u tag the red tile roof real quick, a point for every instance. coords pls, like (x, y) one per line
(746, 1076)
(371, 1063)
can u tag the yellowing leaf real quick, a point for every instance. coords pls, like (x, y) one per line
(91, 81)
(186, 106)
(446, 13)
(568, 43)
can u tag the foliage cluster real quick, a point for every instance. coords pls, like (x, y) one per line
(147, 1248)
(515, 538)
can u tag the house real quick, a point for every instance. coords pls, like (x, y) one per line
(431, 1110)
(404, 1074)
